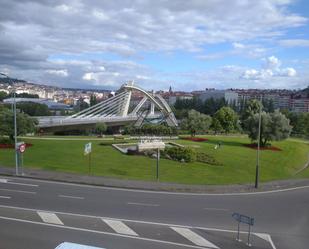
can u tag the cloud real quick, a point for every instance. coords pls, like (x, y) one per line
(116, 32)
(271, 68)
(59, 72)
(294, 43)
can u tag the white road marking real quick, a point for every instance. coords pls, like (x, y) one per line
(19, 183)
(266, 237)
(194, 237)
(126, 220)
(50, 218)
(143, 204)
(17, 191)
(3, 180)
(120, 227)
(168, 192)
(72, 197)
(101, 232)
(134, 221)
(217, 209)
(5, 197)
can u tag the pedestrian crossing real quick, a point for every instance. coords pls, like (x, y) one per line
(194, 237)
(185, 237)
(50, 218)
(120, 227)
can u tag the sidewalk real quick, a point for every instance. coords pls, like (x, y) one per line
(153, 185)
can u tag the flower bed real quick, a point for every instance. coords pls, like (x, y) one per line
(254, 146)
(11, 146)
(195, 139)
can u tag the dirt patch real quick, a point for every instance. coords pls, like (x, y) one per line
(254, 146)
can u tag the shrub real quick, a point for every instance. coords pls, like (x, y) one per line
(6, 140)
(179, 153)
(205, 158)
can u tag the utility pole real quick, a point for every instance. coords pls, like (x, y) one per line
(257, 169)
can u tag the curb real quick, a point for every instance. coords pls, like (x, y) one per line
(153, 185)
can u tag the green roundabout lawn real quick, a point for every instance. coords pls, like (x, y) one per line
(238, 161)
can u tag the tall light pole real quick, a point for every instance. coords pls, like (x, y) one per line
(257, 168)
(15, 126)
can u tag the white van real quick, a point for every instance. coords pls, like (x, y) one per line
(68, 245)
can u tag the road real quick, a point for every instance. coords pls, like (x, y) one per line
(42, 214)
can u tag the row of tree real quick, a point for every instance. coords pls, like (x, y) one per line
(274, 125)
(211, 106)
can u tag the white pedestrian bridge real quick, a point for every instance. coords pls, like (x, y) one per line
(115, 111)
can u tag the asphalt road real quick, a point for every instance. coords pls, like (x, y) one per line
(42, 214)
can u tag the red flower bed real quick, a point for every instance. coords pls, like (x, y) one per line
(195, 139)
(254, 146)
(11, 146)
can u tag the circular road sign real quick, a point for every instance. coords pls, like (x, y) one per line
(22, 148)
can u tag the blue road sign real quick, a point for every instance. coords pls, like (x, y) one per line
(243, 219)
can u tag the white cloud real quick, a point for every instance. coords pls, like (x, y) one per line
(89, 76)
(272, 63)
(238, 45)
(289, 72)
(87, 31)
(271, 68)
(59, 72)
(294, 43)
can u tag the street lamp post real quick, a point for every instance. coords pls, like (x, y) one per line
(257, 169)
(15, 127)
(15, 134)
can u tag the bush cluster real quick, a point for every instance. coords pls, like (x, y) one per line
(181, 153)
(205, 158)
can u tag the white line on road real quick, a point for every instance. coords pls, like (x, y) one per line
(217, 209)
(50, 218)
(168, 192)
(101, 232)
(120, 227)
(72, 197)
(126, 220)
(18, 191)
(17, 183)
(194, 237)
(5, 197)
(266, 237)
(143, 204)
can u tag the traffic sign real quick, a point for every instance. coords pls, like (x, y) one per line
(22, 148)
(243, 219)
(87, 149)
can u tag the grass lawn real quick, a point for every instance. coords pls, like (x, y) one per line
(238, 161)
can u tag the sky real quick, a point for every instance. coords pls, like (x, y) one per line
(189, 45)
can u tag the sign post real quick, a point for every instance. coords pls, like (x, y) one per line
(87, 151)
(158, 158)
(246, 220)
(20, 149)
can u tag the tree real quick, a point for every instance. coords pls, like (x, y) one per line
(100, 128)
(25, 124)
(227, 118)
(33, 109)
(216, 126)
(93, 100)
(3, 95)
(196, 122)
(252, 107)
(274, 127)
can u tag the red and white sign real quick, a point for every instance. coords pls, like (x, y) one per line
(22, 148)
